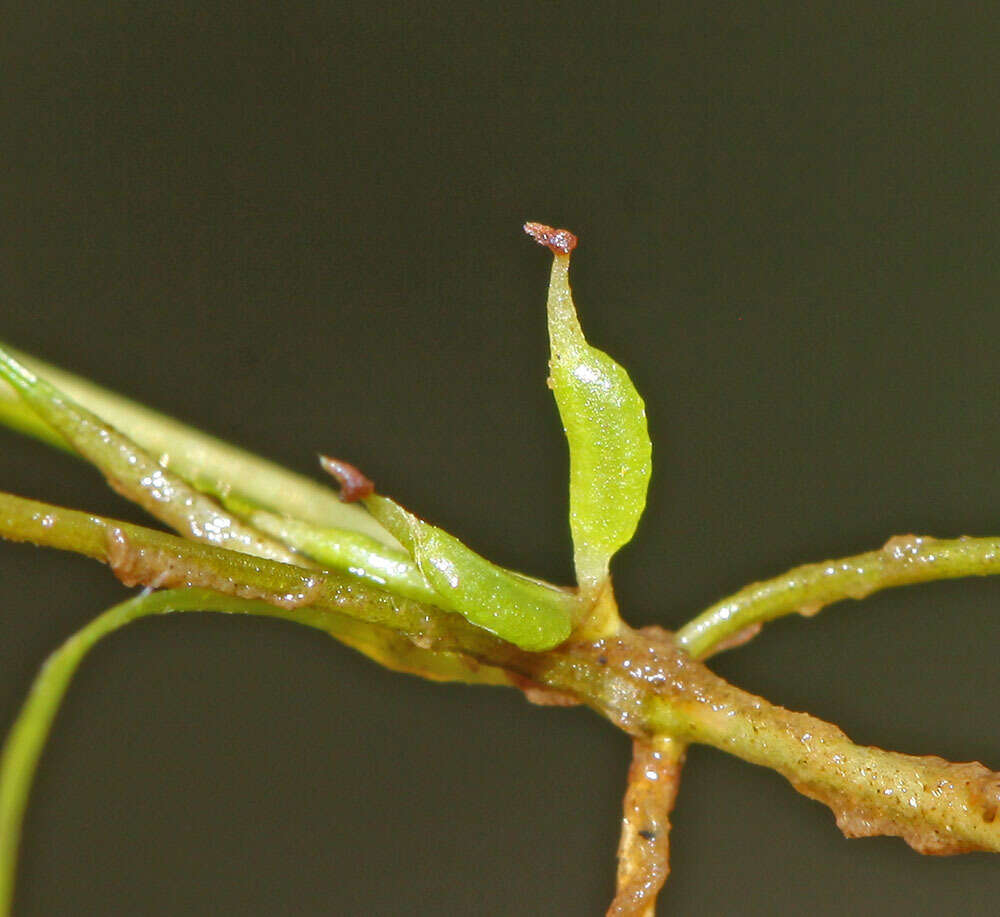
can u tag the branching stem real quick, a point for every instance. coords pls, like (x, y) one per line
(640, 680)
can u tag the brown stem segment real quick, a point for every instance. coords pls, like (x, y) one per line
(646, 685)
(644, 851)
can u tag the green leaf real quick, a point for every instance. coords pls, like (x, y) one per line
(209, 464)
(135, 474)
(531, 615)
(357, 554)
(605, 423)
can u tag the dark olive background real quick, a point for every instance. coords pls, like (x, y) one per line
(299, 228)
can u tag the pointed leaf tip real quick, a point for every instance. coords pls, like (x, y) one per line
(354, 485)
(558, 241)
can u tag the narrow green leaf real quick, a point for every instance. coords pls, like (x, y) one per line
(520, 610)
(351, 552)
(136, 475)
(605, 423)
(210, 464)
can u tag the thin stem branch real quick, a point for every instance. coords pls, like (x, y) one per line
(901, 561)
(141, 556)
(399, 633)
(208, 463)
(642, 681)
(27, 736)
(134, 474)
(644, 850)
(171, 486)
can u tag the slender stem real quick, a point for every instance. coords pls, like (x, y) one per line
(210, 464)
(401, 633)
(644, 850)
(27, 736)
(136, 475)
(44, 411)
(351, 551)
(903, 560)
(16, 415)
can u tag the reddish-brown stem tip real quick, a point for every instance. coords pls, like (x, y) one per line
(559, 241)
(354, 485)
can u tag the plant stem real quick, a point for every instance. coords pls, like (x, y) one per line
(351, 551)
(644, 850)
(27, 736)
(173, 487)
(643, 682)
(364, 617)
(136, 475)
(901, 561)
(210, 464)
(640, 680)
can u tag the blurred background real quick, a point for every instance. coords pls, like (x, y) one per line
(298, 227)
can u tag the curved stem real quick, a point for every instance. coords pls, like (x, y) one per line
(24, 743)
(902, 560)
(141, 556)
(374, 622)
(642, 681)
(27, 736)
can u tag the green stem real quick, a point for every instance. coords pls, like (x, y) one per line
(141, 556)
(16, 415)
(210, 464)
(27, 736)
(24, 743)
(903, 560)
(358, 554)
(136, 475)
(44, 411)
(642, 681)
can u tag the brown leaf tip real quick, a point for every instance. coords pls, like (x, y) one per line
(354, 485)
(559, 241)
